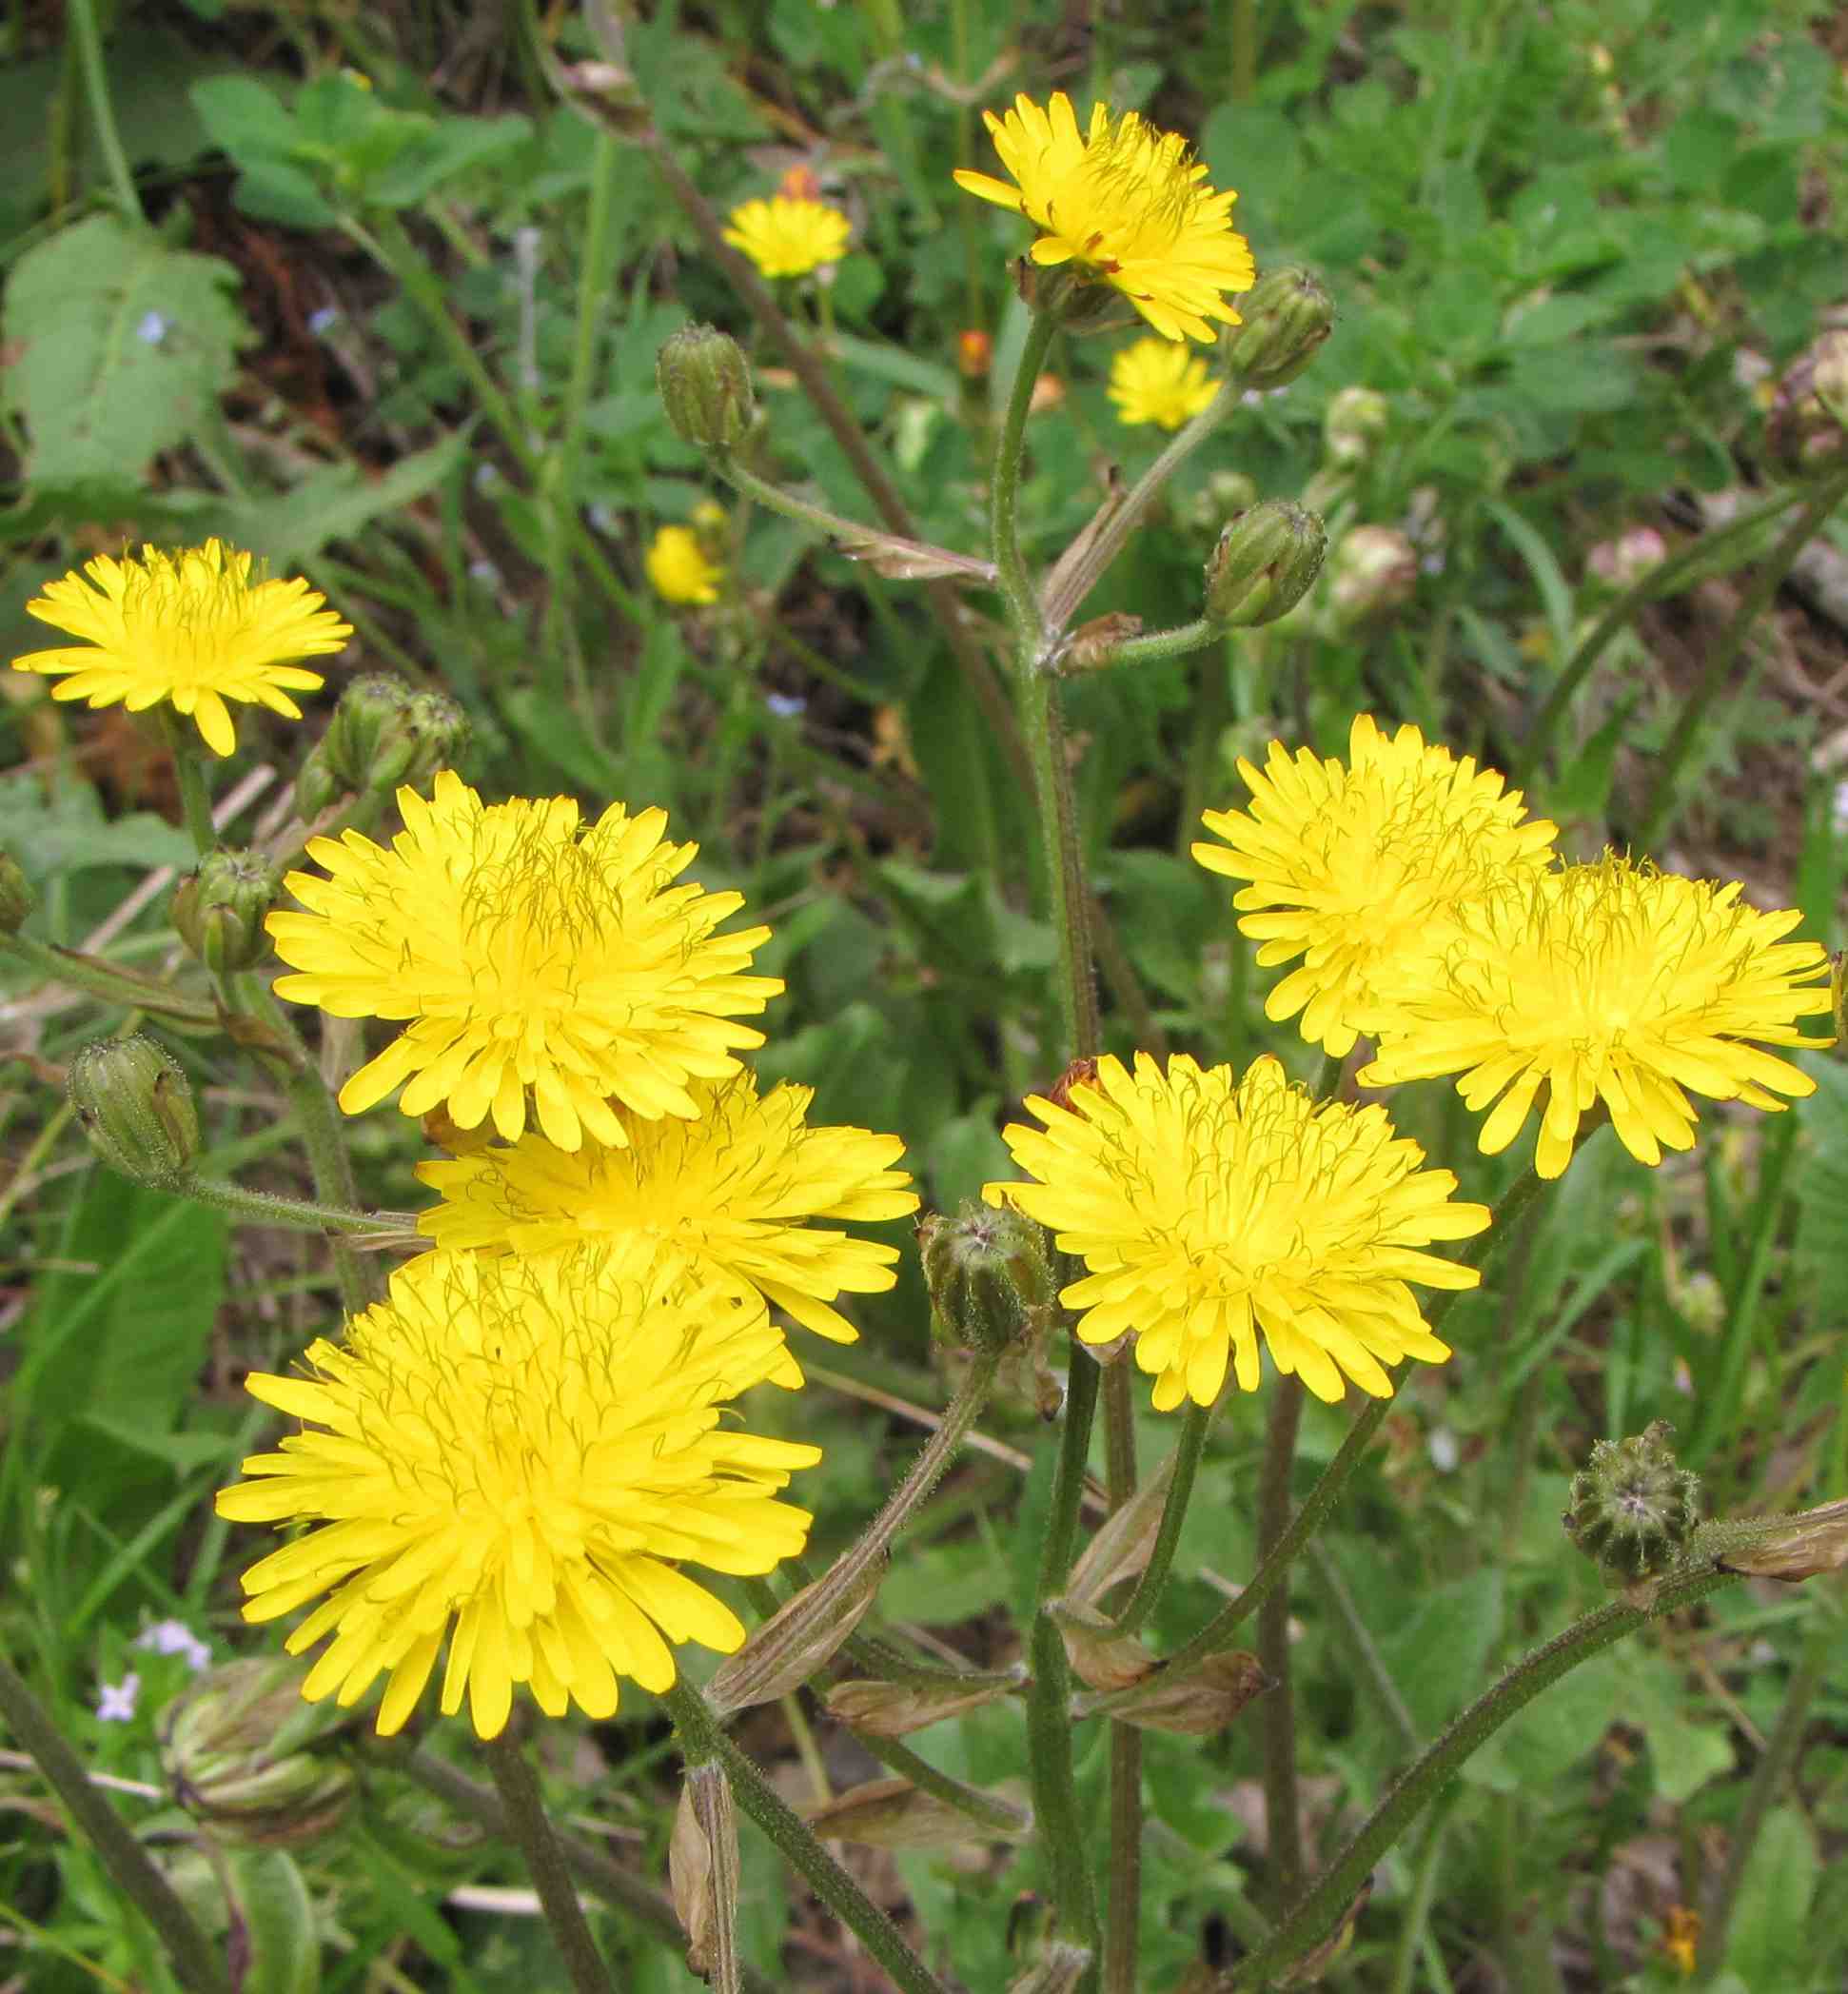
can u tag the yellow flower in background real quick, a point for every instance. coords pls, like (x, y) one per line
(730, 1194)
(526, 950)
(1211, 1210)
(519, 1457)
(787, 237)
(1359, 870)
(1124, 200)
(191, 627)
(679, 569)
(1607, 983)
(1156, 380)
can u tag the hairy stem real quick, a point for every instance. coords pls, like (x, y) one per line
(1281, 1815)
(529, 1827)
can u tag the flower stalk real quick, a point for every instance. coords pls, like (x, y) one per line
(1282, 1818)
(531, 1829)
(195, 795)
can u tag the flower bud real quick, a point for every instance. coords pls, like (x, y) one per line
(796, 1642)
(1356, 419)
(233, 1748)
(134, 1103)
(1374, 570)
(1226, 495)
(891, 1813)
(1073, 294)
(1632, 1507)
(974, 354)
(702, 1867)
(16, 895)
(219, 909)
(1265, 562)
(988, 1274)
(1807, 429)
(1100, 1657)
(894, 1709)
(1196, 1703)
(1287, 316)
(705, 387)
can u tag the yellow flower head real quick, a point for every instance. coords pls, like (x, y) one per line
(1612, 983)
(677, 566)
(191, 627)
(1208, 1208)
(787, 237)
(729, 1195)
(525, 1451)
(527, 951)
(1155, 381)
(1359, 869)
(1127, 201)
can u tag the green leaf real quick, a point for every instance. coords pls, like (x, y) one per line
(1770, 1939)
(123, 346)
(63, 830)
(244, 118)
(278, 1914)
(1437, 1656)
(340, 501)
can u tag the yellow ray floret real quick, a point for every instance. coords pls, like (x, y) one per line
(1126, 202)
(191, 627)
(527, 951)
(1360, 870)
(678, 568)
(1155, 381)
(729, 1195)
(1610, 983)
(1209, 1210)
(519, 1458)
(789, 237)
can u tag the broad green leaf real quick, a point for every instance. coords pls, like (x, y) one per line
(1770, 1937)
(341, 502)
(123, 347)
(64, 830)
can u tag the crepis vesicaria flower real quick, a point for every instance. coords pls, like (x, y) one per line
(1607, 983)
(1210, 1210)
(1360, 869)
(519, 1457)
(731, 1194)
(789, 236)
(1126, 202)
(679, 569)
(527, 951)
(191, 627)
(1155, 381)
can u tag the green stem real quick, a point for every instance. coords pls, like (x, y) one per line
(1316, 1913)
(1768, 1779)
(590, 1865)
(1359, 1643)
(102, 112)
(269, 1208)
(1283, 1818)
(1049, 1695)
(1245, 51)
(103, 980)
(1004, 493)
(1218, 1633)
(705, 1743)
(1196, 1423)
(1658, 581)
(530, 1829)
(196, 1965)
(593, 307)
(329, 1164)
(709, 1793)
(1123, 1893)
(195, 795)
(1721, 659)
(1418, 1906)
(1159, 644)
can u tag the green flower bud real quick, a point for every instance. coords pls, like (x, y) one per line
(1287, 316)
(1374, 569)
(134, 1103)
(1073, 294)
(16, 897)
(1356, 419)
(439, 727)
(233, 1746)
(1263, 565)
(219, 909)
(1632, 1507)
(705, 387)
(989, 1275)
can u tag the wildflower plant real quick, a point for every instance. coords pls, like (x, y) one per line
(529, 1471)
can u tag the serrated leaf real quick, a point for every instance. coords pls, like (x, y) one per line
(65, 831)
(123, 347)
